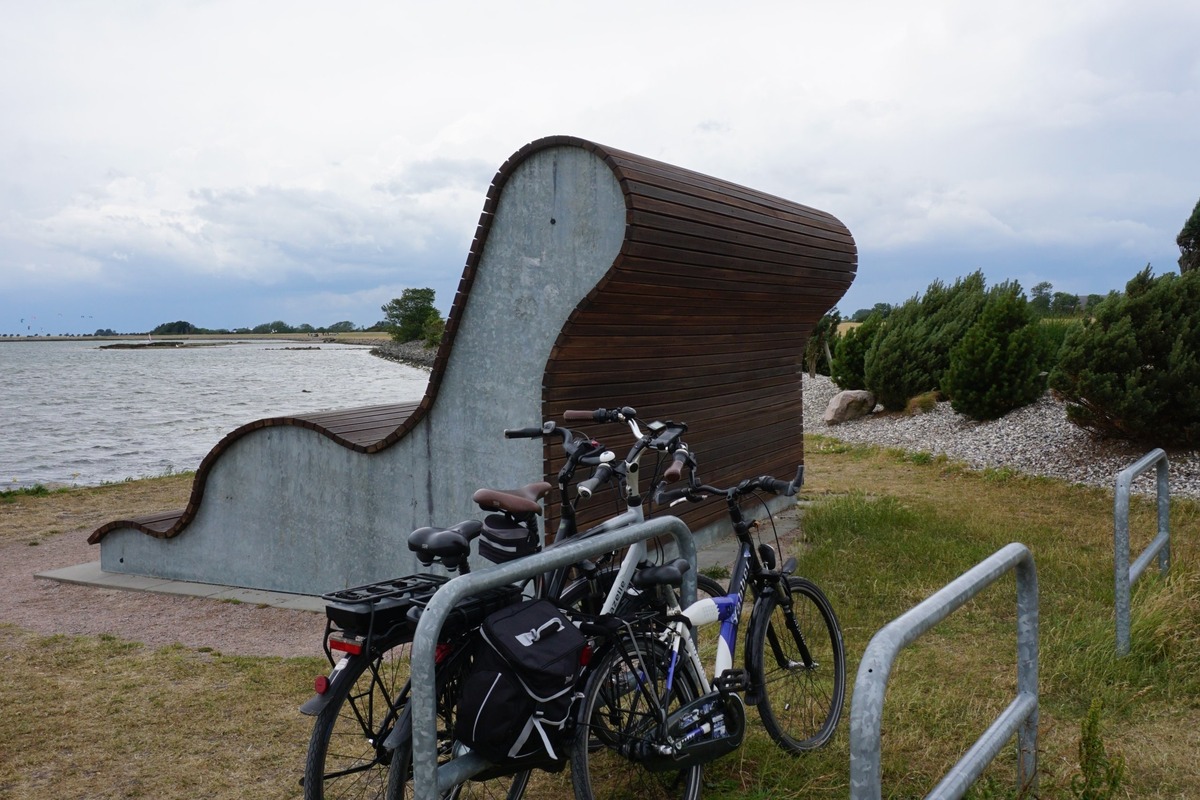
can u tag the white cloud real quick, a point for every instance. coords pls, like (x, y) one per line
(351, 146)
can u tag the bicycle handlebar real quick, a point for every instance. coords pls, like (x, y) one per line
(603, 414)
(672, 473)
(698, 492)
(588, 487)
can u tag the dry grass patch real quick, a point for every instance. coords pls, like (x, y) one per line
(101, 717)
(36, 516)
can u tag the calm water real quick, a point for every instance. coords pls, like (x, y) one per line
(71, 413)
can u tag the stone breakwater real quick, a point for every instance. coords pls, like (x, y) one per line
(1035, 440)
(414, 354)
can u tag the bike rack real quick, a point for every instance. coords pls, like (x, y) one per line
(1021, 716)
(429, 781)
(1126, 576)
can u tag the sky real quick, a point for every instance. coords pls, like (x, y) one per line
(235, 163)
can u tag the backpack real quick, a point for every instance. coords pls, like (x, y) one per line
(516, 700)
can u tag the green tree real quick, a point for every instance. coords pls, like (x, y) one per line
(345, 326)
(1039, 298)
(1064, 304)
(1189, 242)
(882, 309)
(278, 326)
(850, 355)
(820, 343)
(996, 366)
(911, 353)
(1132, 370)
(170, 328)
(406, 315)
(435, 326)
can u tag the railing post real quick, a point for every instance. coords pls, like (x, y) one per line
(426, 777)
(1124, 575)
(1020, 717)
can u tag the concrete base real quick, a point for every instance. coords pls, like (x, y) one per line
(90, 574)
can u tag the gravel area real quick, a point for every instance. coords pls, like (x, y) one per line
(1036, 440)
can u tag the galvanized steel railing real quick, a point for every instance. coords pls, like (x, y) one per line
(430, 781)
(1021, 716)
(1126, 576)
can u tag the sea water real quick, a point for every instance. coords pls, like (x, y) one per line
(72, 413)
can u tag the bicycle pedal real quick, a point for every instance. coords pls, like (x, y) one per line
(732, 680)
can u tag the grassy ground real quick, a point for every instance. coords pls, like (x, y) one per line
(99, 717)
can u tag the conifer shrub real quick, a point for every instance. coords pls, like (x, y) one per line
(911, 353)
(850, 355)
(1132, 371)
(996, 366)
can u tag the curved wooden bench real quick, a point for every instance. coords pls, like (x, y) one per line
(367, 429)
(596, 277)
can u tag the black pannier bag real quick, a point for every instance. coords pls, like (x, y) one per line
(516, 701)
(504, 539)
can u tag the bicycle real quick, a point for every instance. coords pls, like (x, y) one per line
(605, 590)
(650, 718)
(360, 705)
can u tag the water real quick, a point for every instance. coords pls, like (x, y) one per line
(74, 414)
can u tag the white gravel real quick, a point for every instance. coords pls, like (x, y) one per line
(1036, 440)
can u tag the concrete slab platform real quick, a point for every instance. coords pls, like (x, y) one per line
(90, 574)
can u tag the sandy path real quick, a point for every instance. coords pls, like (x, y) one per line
(49, 607)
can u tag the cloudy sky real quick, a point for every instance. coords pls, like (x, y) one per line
(233, 163)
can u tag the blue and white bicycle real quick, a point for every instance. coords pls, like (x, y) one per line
(651, 716)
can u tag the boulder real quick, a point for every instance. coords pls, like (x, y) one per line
(848, 405)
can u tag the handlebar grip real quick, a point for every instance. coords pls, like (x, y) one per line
(581, 415)
(776, 486)
(587, 488)
(522, 433)
(673, 472)
(664, 497)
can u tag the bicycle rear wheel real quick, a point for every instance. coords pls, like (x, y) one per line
(346, 759)
(619, 716)
(450, 675)
(802, 698)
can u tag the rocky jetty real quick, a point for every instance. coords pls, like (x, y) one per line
(414, 354)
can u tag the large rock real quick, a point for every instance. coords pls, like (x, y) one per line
(848, 405)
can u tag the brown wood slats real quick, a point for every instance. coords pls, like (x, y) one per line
(706, 312)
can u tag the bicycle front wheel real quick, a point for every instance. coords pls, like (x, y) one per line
(800, 666)
(620, 717)
(346, 759)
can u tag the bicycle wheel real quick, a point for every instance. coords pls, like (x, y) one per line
(802, 698)
(619, 716)
(346, 759)
(450, 675)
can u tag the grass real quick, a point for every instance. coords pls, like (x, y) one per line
(884, 529)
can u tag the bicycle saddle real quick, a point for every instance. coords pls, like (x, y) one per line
(663, 575)
(514, 501)
(450, 545)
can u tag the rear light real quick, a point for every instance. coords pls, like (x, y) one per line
(321, 684)
(351, 645)
(441, 652)
(585, 655)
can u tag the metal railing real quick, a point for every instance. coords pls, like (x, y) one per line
(1021, 716)
(1125, 575)
(429, 780)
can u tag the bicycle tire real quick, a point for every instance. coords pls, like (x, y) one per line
(449, 677)
(616, 714)
(346, 759)
(799, 707)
